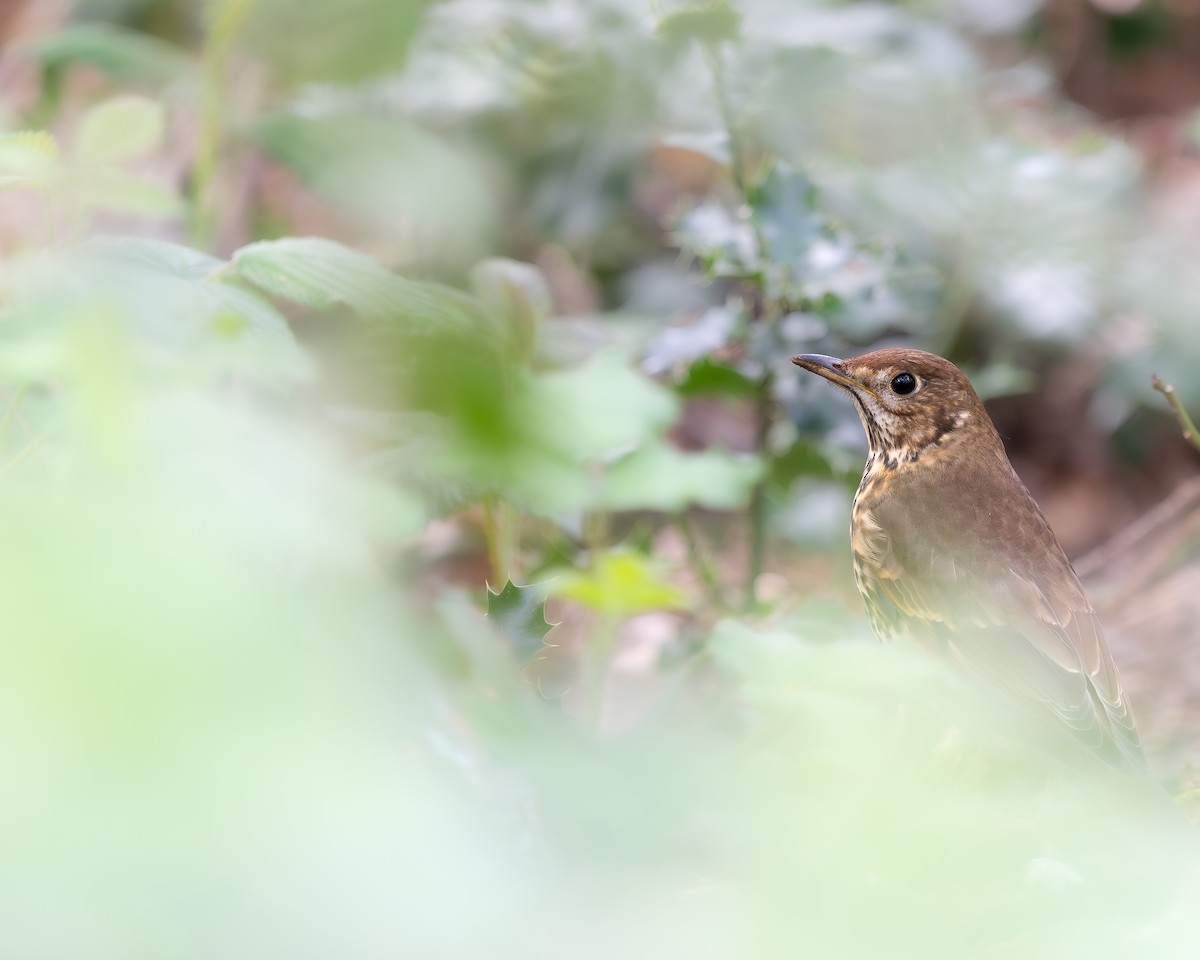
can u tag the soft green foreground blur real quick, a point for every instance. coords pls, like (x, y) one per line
(227, 732)
(241, 718)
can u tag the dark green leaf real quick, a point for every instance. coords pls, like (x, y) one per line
(519, 614)
(706, 376)
(800, 460)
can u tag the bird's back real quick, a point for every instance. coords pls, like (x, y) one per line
(985, 582)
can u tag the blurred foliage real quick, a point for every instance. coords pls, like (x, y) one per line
(293, 289)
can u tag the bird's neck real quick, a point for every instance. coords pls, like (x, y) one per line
(898, 444)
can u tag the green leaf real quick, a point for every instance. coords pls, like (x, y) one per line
(518, 294)
(160, 256)
(123, 54)
(27, 157)
(711, 22)
(1001, 379)
(801, 459)
(343, 42)
(394, 178)
(519, 614)
(660, 477)
(118, 191)
(119, 129)
(598, 411)
(322, 273)
(706, 377)
(208, 311)
(619, 583)
(784, 208)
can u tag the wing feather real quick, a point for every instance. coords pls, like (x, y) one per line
(1020, 624)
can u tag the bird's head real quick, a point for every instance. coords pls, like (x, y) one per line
(910, 401)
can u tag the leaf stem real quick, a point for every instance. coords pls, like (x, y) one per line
(499, 530)
(758, 498)
(227, 18)
(700, 561)
(763, 309)
(1177, 410)
(737, 160)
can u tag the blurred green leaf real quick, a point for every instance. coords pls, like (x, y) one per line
(599, 411)
(343, 42)
(168, 303)
(28, 157)
(1000, 379)
(160, 256)
(801, 459)
(320, 273)
(122, 53)
(706, 377)
(519, 614)
(114, 190)
(710, 22)
(619, 583)
(657, 476)
(391, 176)
(518, 294)
(121, 128)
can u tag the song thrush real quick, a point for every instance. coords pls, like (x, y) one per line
(950, 547)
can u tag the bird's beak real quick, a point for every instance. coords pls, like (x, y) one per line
(831, 368)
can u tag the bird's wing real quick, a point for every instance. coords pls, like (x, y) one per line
(1030, 633)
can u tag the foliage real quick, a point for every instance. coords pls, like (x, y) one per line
(238, 436)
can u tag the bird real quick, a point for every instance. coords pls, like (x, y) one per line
(951, 549)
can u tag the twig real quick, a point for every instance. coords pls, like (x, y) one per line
(498, 528)
(1177, 410)
(765, 309)
(225, 23)
(737, 162)
(758, 498)
(701, 562)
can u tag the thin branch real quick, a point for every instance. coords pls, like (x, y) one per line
(1177, 410)
(764, 407)
(737, 161)
(766, 309)
(700, 561)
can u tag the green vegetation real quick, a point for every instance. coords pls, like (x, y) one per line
(318, 320)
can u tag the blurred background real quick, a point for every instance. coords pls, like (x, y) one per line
(416, 541)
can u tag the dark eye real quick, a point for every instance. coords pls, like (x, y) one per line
(904, 383)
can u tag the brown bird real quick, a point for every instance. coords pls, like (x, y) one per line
(950, 548)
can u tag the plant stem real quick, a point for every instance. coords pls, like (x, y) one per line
(737, 161)
(712, 54)
(700, 562)
(226, 20)
(766, 308)
(499, 530)
(758, 498)
(1177, 409)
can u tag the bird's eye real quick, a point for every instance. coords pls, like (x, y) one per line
(903, 383)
